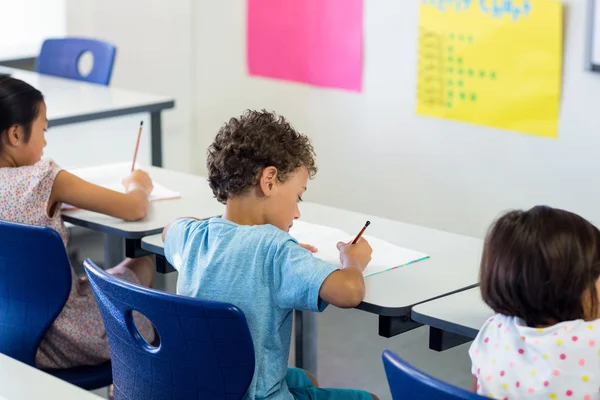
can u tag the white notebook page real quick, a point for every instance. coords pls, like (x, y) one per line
(385, 255)
(110, 177)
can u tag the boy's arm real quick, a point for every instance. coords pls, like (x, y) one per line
(304, 282)
(346, 288)
(175, 237)
(474, 384)
(164, 232)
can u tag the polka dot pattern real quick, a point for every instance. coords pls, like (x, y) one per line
(555, 362)
(77, 336)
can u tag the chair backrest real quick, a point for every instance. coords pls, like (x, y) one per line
(60, 57)
(35, 282)
(205, 350)
(407, 382)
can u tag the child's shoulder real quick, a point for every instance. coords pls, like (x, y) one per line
(40, 170)
(228, 230)
(265, 235)
(37, 179)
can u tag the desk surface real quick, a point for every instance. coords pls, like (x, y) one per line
(453, 265)
(71, 101)
(462, 313)
(154, 244)
(19, 381)
(196, 200)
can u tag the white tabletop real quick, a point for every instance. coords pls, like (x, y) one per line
(462, 313)
(19, 381)
(196, 200)
(453, 266)
(154, 244)
(71, 101)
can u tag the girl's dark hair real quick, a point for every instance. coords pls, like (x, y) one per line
(541, 265)
(19, 105)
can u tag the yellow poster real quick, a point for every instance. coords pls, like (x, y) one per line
(492, 62)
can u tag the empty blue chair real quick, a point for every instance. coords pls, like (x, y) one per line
(204, 349)
(407, 382)
(60, 57)
(35, 282)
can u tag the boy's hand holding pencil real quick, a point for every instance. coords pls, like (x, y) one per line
(357, 253)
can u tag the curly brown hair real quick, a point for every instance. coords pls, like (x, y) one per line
(245, 146)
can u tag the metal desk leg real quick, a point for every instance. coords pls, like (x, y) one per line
(306, 340)
(114, 250)
(156, 138)
(392, 326)
(440, 340)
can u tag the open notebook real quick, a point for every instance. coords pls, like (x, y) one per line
(385, 257)
(110, 177)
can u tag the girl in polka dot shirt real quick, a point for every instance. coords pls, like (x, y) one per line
(540, 273)
(32, 191)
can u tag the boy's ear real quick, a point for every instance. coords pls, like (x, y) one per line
(267, 180)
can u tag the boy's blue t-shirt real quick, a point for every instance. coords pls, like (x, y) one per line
(260, 269)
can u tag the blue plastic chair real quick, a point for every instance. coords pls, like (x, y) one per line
(407, 382)
(35, 282)
(205, 350)
(60, 57)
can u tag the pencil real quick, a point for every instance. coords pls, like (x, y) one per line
(137, 145)
(361, 232)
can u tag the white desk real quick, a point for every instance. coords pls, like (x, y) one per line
(73, 102)
(19, 381)
(453, 267)
(453, 317)
(196, 200)
(154, 244)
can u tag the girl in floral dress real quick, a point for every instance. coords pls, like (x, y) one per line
(32, 191)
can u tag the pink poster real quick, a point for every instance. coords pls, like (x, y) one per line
(319, 42)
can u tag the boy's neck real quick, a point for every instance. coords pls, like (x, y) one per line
(244, 210)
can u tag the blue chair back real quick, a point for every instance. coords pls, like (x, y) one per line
(60, 57)
(407, 382)
(35, 282)
(205, 350)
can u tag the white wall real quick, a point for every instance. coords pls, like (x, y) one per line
(23, 31)
(154, 55)
(377, 156)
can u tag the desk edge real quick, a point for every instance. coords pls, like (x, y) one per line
(153, 248)
(150, 108)
(109, 230)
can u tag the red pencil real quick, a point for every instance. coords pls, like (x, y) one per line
(137, 145)
(361, 232)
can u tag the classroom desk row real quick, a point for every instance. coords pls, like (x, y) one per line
(391, 295)
(86, 120)
(454, 319)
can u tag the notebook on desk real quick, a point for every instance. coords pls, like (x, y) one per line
(110, 177)
(385, 257)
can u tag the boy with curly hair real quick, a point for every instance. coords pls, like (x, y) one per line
(259, 167)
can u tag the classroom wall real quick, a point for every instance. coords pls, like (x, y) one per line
(154, 55)
(377, 156)
(24, 31)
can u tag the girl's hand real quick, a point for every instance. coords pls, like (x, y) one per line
(138, 180)
(309, 247)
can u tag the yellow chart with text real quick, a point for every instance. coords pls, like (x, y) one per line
(492, 62)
